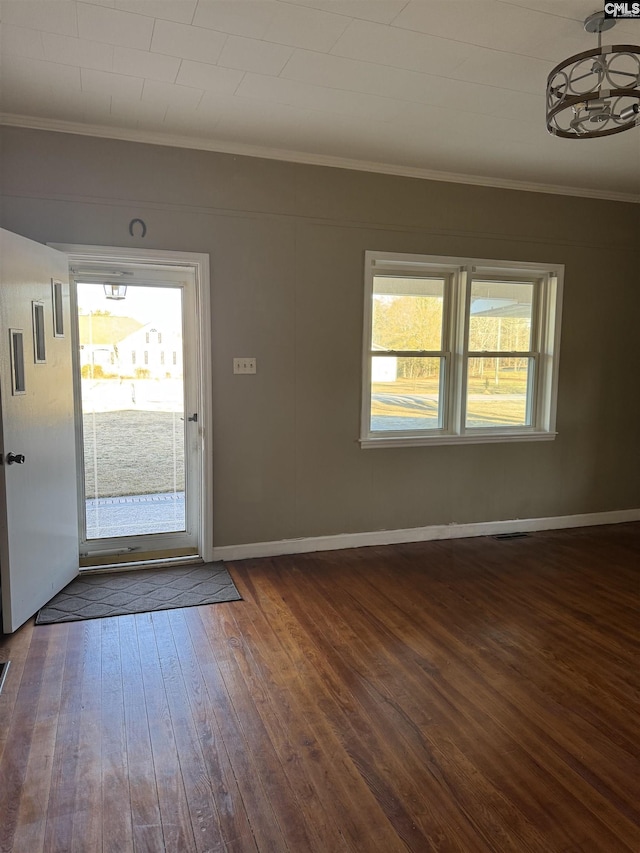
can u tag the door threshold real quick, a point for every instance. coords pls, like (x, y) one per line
(135, 557)
(163, 563)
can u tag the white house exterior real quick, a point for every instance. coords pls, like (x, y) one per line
(122, 347)
(151, 348)
(383, 368)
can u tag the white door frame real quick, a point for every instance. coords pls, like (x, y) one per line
(199, 263)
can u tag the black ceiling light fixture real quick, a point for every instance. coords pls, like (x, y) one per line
(596, 92)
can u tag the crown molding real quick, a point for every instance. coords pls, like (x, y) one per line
(304, 158)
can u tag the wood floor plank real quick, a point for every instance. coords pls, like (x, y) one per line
(21, 732)
(13, 648)
(115, 811)
(177, 830)
(334, 786)
(475, 688)
(523, 699)
(469, 696)
(234, 822)
(146, 824)
(272, 805)
(293, 737)
(199, 791)
(30, 827)
(87, 825)
(580, 737)
(269, 835)
(60, 814)
(415, 805)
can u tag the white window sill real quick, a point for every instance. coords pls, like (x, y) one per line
(482, 438)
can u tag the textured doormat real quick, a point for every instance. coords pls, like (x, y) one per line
(139, 591)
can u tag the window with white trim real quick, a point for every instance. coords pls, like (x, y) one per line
(459, 350)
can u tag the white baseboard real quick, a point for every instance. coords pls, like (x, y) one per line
(419, 534)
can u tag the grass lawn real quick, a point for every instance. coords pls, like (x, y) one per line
(133, 453)
(509, 382)
(488, 404)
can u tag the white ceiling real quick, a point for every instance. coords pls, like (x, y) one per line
(449, 88)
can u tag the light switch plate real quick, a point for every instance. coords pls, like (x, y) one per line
(244, 365)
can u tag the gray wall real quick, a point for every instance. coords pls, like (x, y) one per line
(286, 243)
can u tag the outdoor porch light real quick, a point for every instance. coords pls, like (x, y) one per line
(596, 92)
(115, 291)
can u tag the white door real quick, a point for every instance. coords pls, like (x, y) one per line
(38, 508)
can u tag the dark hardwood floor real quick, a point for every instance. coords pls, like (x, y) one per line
(472, 695)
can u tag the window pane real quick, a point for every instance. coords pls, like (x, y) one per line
(405, 393)
(407, 313)
(500, 316)
(133, 412)
(39, 338)
(497, 391)
(58, 309)
(17, 361)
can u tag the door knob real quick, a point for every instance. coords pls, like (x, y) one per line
(18, 458)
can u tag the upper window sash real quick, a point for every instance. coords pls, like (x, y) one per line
(534, 314)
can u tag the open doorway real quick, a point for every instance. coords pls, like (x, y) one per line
(142, 416)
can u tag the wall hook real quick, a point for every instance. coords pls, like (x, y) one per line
(141, 222)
